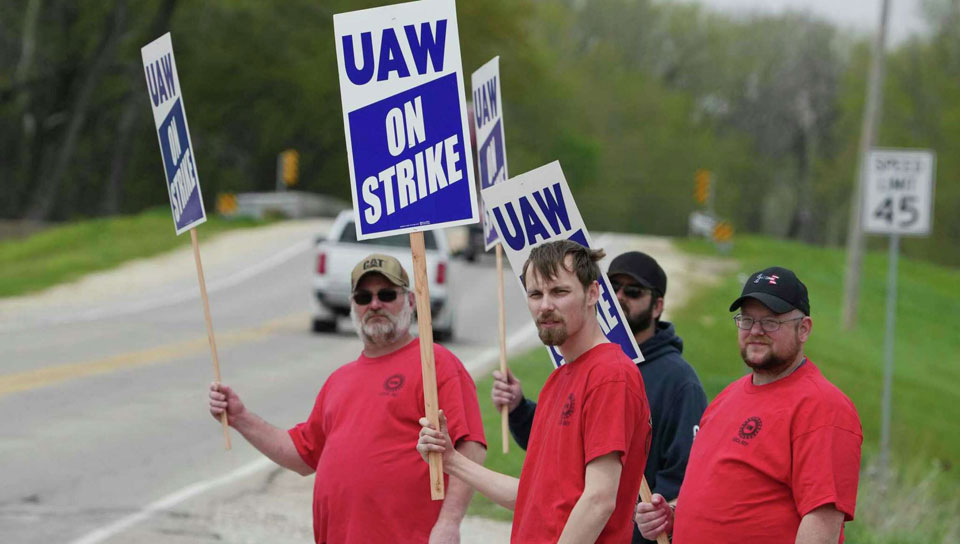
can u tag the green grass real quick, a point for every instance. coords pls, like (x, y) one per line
(66, 252)
(921, 505)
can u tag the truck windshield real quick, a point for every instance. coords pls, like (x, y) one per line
(349, 235)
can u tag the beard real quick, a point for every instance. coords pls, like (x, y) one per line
(555, 335)
(382, 332)
(641, 321)
(772, 363)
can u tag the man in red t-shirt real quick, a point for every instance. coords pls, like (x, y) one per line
(588, 446)
(370, 485)
(777, 456)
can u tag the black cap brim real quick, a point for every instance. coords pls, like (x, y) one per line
(776, 304)
(636, 278)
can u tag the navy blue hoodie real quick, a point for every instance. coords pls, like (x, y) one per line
(676, 400)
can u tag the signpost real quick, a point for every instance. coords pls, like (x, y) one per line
(179, 166)
(492, 167)
(408, 142)
(538, 207)
(897, 200)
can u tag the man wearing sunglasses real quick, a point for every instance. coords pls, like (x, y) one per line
(676, 397)
(777, 456)
(370, 484)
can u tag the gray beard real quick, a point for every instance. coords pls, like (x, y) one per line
(381, 334)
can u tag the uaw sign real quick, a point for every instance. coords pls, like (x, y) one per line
(179, 165)
(488, 126)
(405, 117)
(537, 207)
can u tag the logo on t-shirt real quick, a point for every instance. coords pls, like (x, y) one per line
(748, 430)
(568, 408)
(393, 384)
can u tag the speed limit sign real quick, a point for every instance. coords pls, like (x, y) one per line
(899, 191)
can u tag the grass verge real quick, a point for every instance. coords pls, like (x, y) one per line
(65, 253)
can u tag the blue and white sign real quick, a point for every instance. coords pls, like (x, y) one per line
(491, 144)
(405, 118)
(538, 207)
(179, 164)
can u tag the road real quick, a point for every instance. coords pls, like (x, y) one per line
(105, 435)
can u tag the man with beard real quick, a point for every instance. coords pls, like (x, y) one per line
(777, 456)
(676, 397)
(370, 485)
(588, 447)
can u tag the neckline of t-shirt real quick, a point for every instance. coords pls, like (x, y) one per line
(803, 369)
(583, 355)
(366, 359)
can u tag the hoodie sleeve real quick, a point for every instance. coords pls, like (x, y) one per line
(680, 424)
(521, 421)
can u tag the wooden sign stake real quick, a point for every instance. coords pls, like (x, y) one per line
(210, 338)
(647, 496)
(504, 410)
(427, 365)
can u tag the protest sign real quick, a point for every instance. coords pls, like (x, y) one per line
(170, 119)
(179, 167)
(405, 118)
(491, 144)
(538, 207)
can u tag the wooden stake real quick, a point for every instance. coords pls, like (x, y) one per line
(647, 496)
(427, 365)
(504, 410)
(210, 338)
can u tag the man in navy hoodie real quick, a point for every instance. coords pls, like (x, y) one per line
(674, 392)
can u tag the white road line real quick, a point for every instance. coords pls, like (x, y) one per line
(171, 500)
(231, 280)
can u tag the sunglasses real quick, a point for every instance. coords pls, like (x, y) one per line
(363, 297)
(630, 291)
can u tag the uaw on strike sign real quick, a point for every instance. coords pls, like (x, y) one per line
(488, 125)
(183, 183)
(405, 118)
(538, 207)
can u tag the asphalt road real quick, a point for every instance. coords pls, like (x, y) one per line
(103, 395)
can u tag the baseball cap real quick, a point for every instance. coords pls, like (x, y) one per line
(642, 268)
(776, 288)
(382, 264)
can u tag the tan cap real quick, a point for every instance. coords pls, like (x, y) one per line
(385, 265)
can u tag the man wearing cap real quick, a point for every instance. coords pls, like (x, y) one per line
(370, 484)
(777, 456)
(676, 397)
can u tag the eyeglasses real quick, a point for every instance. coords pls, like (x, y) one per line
(363, 297)
(768, 324)
(630, 291)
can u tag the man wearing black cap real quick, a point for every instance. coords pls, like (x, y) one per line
(673, 390)
(777, 456)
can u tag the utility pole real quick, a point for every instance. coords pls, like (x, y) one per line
(868, 131)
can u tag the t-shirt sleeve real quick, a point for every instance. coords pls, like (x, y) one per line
(611, 413)
(308, 437)
(826, 469)
(450, 395)
(471, 407)
(520, 421)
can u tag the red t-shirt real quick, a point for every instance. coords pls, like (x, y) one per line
(588, 408)
(767, 455)
(371, 484)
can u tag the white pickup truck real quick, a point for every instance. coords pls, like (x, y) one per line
(341, 251)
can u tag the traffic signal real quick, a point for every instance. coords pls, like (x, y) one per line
(701, 187)
(290, 167)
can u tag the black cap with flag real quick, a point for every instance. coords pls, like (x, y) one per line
(776, 288)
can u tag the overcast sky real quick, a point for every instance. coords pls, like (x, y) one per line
(863, 15)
